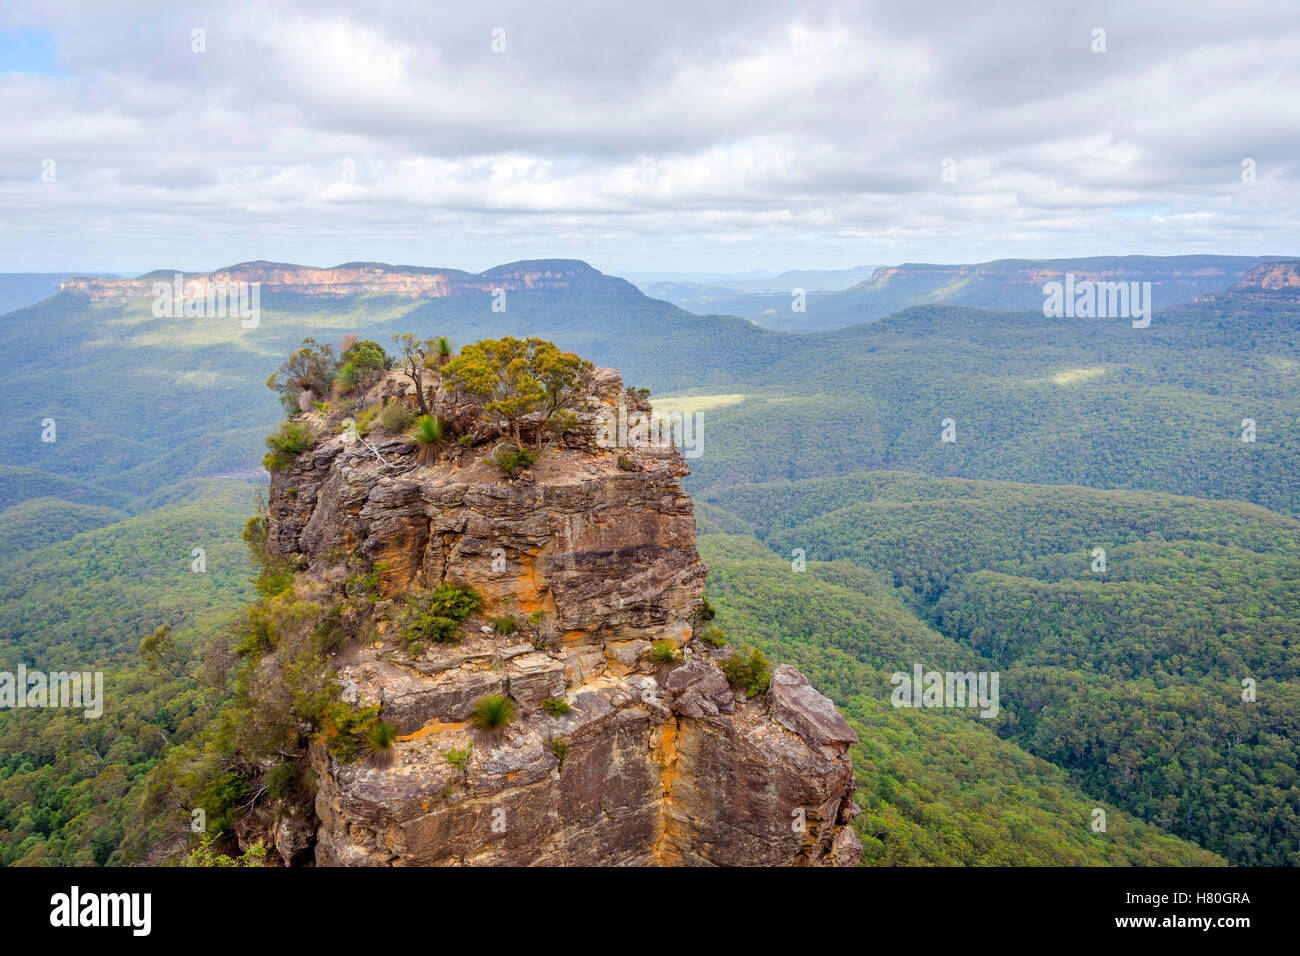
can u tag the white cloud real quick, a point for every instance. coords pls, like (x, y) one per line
(693, 135)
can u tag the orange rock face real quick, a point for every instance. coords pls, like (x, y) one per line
(1272, 277)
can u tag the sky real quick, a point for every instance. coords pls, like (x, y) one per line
(672, 136)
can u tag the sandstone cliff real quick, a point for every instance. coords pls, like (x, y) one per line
(596, 559)
(358, 278)
(1273, 281)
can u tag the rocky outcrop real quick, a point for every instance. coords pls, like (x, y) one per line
(1269, 284)
(1272, 277)
(1273, 281)
(612, 758)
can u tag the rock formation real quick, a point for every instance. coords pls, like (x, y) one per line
(1272, 282)
(356, 278)
(595, 559)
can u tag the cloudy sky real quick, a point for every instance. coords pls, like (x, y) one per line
(679, 135)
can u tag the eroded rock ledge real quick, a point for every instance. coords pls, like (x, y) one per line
(647, 766)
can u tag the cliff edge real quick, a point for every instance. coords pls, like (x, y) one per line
(632, 735)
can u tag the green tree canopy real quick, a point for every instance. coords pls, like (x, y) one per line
(517, 380)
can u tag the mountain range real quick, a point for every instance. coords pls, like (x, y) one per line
(1120, 691)
(1007, 284)
(831, 299)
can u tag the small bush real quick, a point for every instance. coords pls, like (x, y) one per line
(273, 579)
(280, 781)
(560, 748)
(459, 758)
(492, 715)
(362, 582)
(367, 359)
(346, 731)
(505, 625)
(288, 442)
(329, 636)
(513, 461)
(366, 420)
(363, 363)
(626, 464)
(561, 422)
(429, 434)
(714, 637)
(311, 367)
(663, 655)
(437, 615)
(206, 854)
(555, 706)
(346, 379)
(380, 747)
(396, 418)
(750, 672)
(707, 611)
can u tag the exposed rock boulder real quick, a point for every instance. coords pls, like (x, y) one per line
(797, 707)
(698, 689)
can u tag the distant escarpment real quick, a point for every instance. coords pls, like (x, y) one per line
(519, 665)
(1017, 284)
(357, 278)
(1271, 282)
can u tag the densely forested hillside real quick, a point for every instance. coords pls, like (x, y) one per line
(1094, 403)
(936, 786)
(70, 787)
(38, 521)
(1130, 678)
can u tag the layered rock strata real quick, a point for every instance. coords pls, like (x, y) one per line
(592, 552)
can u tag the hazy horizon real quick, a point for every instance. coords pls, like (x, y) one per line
(633, 276)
